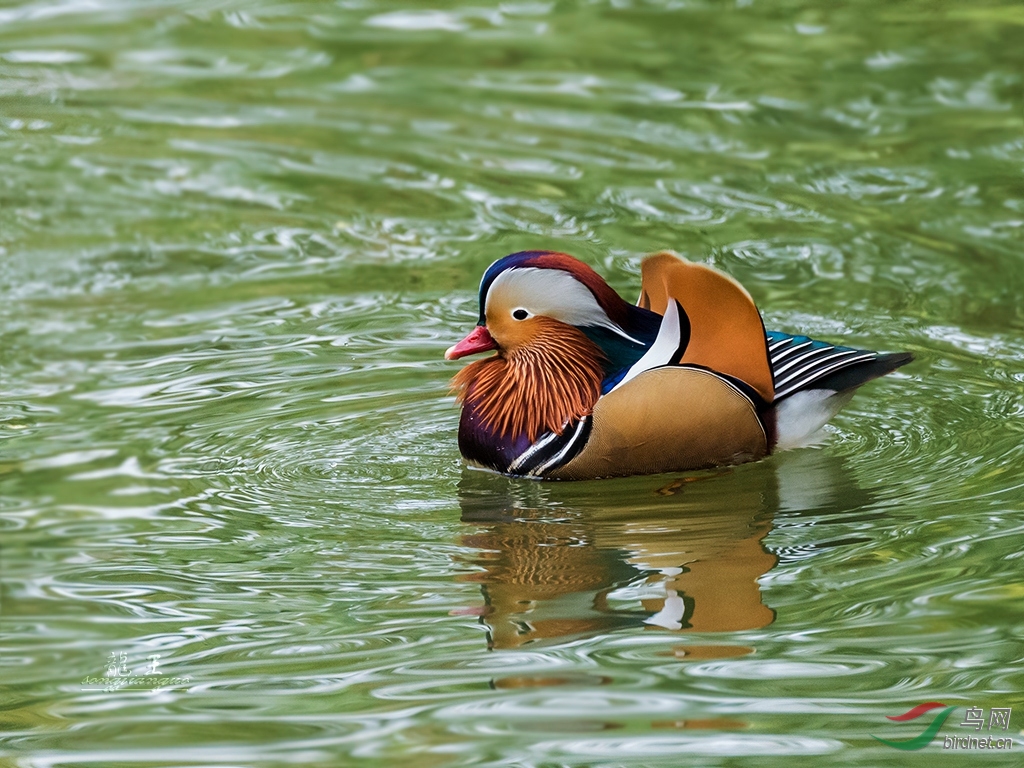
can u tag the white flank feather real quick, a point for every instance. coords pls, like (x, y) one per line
(800, 417)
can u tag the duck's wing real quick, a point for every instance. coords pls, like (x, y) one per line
(725, 329)
(814, 380)
(802, 363)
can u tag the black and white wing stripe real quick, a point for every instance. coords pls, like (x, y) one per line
(552, 451)
(798, 361)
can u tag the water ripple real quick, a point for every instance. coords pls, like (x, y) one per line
(235, 240)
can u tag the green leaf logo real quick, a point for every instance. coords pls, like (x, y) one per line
(922, 741)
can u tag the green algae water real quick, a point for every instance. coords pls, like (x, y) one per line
(235, 240)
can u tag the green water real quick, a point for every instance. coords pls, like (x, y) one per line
(235, 239)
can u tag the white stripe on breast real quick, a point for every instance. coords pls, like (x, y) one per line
(662, 350)
(529, 452)
(557, 458)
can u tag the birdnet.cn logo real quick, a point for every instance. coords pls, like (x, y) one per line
(998, 721)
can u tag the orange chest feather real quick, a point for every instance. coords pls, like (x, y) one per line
(536, 388)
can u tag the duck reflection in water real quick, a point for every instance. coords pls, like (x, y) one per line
(567, 560)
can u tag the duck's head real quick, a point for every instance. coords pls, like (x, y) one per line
(528, 298)
(562, 337)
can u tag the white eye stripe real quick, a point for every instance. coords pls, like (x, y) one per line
(553, 293)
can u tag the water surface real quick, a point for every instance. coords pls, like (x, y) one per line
(235, 239)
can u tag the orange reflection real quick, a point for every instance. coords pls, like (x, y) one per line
(567, 560)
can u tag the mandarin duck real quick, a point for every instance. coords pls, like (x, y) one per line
(585, 385)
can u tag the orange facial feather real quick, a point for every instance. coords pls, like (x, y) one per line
(539, 385)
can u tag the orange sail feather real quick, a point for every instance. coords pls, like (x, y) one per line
(726, 332)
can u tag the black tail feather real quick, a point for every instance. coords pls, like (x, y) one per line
(852, 377)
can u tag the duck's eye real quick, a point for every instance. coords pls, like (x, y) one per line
(520, 314)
